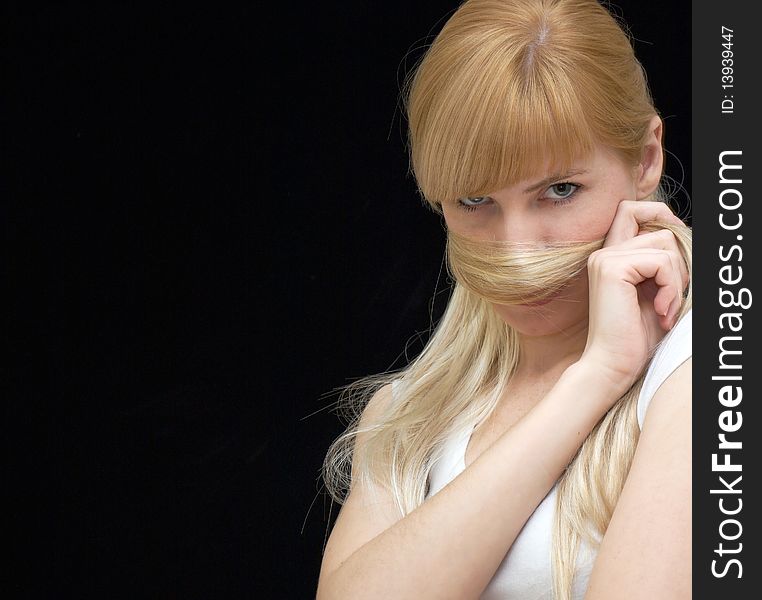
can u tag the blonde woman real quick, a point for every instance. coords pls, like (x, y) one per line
(539, 446)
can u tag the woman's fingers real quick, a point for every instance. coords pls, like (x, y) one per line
(635, 266)
(629, 216)
(625, 234)
(665, 240)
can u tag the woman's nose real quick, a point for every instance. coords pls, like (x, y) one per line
(517, 226)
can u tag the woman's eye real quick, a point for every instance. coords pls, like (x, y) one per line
(472, 203)
(560, 192)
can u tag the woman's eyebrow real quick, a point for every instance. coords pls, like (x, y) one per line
(552, 179)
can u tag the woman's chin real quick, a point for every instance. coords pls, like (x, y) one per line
(539, 318)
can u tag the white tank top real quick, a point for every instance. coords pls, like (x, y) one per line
(525, 572)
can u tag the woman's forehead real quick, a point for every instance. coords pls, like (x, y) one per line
(538, 175)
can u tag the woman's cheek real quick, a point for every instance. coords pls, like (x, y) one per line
(598, 224)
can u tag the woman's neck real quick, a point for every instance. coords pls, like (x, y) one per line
(550, 355)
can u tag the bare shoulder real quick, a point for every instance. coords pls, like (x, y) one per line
(647, 546)
(368, 510)
(672, 399)
(376, 406)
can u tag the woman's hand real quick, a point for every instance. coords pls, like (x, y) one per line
(636, 284)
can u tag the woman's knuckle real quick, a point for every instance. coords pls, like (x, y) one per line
(666, 235)
(628, 205)
(666, 259)
(607, 268)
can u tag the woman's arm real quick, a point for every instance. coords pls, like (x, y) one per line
(646, 552)
(451, 545)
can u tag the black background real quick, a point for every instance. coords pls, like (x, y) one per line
(211, 226)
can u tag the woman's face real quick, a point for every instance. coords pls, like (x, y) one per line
(577, 206)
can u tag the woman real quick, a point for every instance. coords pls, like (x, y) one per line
(539, 446)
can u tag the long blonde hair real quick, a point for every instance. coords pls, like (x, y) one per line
(506, 86)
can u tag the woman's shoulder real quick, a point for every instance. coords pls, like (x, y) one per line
(674, 350)
(378, 403)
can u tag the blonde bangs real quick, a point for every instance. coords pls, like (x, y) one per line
(486, 124)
